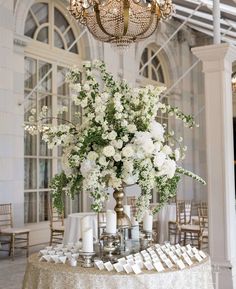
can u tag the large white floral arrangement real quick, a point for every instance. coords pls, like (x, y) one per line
(119, 141)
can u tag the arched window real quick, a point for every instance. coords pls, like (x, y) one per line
(46, 23)
(45, 70)
(152, 72)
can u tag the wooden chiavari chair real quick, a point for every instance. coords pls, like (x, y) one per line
(56, 225)
(203, 221)
(15, 238)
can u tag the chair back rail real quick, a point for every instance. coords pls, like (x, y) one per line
(6, 216)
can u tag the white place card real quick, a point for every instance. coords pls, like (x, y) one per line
(130, 262)
(118, 267)
(178, 246)
(168, 263)
(148, 265)
(144, 252)
(140, 264)
(51, 252)
(175, 259)
(183, 249)
(190, 253)
(153, 254)
(49, 248)
(202, 254)
(168, 245)
(163, 257)
(198, 257)
(195, 250)
(180, 264)
(122, 261)
(136, 269)
(187, 259)
(100, 265)
(156, 259)
(73, 262)
(147, 257)
(108, 266)
(178, 252)
(43, 252)
(63, 259)
(157, 246)
(173, 248)
(159, 267)
(189, 247)
(137, 255)
(128, 268)
(130, 257)
(55, 258)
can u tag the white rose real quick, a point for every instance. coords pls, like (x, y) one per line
(117, 157)
(131, 179)
(168, 169)
(128, 166)
(157, 130)
(159, 159)
(109, 151)
(119, 144)
(167, 150)
(125, 138)
(92, 156)
(132, 128)
(124, 123)
(128, 151)
(102, 161)
(112, 135)
(86, 167)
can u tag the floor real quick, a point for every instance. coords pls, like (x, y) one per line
(12, 272)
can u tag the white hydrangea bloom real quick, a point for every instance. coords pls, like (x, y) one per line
(109, 151)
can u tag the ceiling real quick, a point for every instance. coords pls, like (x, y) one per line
(200, 17)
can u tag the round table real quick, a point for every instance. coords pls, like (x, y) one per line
(73, 227)
(41, 275)
(166, 214)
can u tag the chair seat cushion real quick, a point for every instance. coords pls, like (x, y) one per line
(14, 231)
(189, 227)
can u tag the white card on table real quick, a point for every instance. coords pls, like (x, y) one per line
(43, 252)
(118, 267)
(136, 269)
(147, 257)
(190, 253)
(100, 265)
(159, 267)
(175, 258)
(202, 254)
(144, 252)
(168, 245)
(130, 262)
(128, 268)
(137, 255)
(189, 247)
(55, 258)
(156, 259)
(168, 263)
(157, 246)
(153, 254)
(195, 250)
(122, 261)
(140, 264)
(180, 264)
(63, 259)
(187, 259)
(178, 252)
(183, 249)
(108, 266)
(198, 257)
(178, 246)
(163, 257)
(130, 257)
(149, 265)
(138, 258)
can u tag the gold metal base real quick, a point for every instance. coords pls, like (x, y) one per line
(123, 221)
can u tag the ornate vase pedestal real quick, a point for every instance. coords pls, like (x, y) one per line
(123, 221)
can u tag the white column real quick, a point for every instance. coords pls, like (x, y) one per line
(11, 120)
(216, 21)
(217, 67)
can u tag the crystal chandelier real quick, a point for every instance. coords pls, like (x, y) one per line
(121, 22)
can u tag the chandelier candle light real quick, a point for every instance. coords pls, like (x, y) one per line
(121, 22)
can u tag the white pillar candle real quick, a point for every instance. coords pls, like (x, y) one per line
(85, 223)
(87, 240)
(127, 210)
(111, 222)
(147, 221)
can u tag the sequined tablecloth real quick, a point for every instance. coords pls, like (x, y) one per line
(41, 275)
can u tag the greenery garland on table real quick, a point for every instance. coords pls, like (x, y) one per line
(119, 141)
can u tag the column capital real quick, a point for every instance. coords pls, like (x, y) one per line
(216, 57)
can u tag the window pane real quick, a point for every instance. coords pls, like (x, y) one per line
(45, 173)
(62, 86)
(63, 117)
(44, 206)
(30, 144)
(30, 73)
(60, 20)
(160, 75)
(43, 148)
(44, 69)
(58, 42)
(30, 210)
(30, 173)
(29, 104)
(43, 35)
(154, 76)
(70, 38)
(30, 26)
(46, 100)
(40, 10)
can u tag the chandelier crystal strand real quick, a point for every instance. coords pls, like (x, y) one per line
(121, 22)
